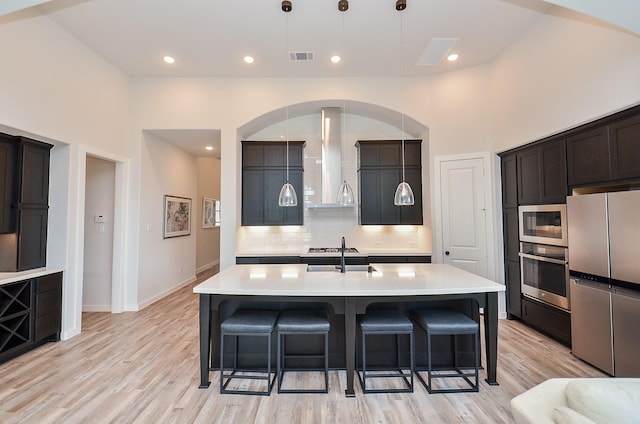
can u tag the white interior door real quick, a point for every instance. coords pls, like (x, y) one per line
(463, 211)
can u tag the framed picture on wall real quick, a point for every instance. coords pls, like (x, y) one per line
(208, 212)
(177, 216)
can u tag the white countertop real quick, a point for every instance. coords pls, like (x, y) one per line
(12, 277)
(387, 280)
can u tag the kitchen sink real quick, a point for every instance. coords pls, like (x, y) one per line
(336, 268)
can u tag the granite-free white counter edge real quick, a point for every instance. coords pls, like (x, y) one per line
(12, 277)
(387, 280)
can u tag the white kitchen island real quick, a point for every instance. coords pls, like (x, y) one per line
(349, 293)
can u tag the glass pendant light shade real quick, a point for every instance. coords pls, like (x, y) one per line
(287, 196)
(404, 195)
(345, 194)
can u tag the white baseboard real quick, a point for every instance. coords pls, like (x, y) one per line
(207, 266)
(163, 294)
(67, 334)
(96, 308)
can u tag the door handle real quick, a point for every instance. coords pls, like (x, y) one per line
(446, 252)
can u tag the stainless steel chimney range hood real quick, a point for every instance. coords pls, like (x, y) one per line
(331, 159)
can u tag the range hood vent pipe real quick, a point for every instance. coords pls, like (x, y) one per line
(331, 174)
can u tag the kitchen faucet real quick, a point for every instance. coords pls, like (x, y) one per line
(342, 265)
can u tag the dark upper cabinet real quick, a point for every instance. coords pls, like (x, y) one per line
(8, 184)
(34, 184)
(624, 140)
(542, 173)
(271, 154)
(509, 181)
(24, 246)
(379, 173)
(264, 171)
(528, 176)
(588, 157)
(553, 172)
(32, 238)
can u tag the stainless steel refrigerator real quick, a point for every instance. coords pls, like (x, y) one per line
(604, 268)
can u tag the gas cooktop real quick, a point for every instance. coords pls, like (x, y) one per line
(332, 250)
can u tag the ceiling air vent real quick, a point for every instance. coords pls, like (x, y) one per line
(301, 56)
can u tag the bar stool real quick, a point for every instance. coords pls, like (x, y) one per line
(394, 322)
(306, 322)
(438, 322)
(247, 323)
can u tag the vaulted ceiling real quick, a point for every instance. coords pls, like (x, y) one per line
(210, 38)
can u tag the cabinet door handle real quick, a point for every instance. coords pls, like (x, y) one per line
(446, 252)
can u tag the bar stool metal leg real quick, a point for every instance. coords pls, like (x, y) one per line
(452, 324)
(298, 323)
(391, 322)
(250, 324)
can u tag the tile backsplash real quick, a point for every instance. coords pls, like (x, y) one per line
(326, 227)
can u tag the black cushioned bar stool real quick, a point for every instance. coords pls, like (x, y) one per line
(392, 322)
(247, 323)
(303, 322)
(438, 322)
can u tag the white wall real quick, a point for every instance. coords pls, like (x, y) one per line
(98, 237)
(228, 104)
(164, 264)
(207, 239)
(56, 90)
(562, 73)
(559, 74)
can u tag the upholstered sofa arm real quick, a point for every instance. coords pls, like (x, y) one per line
(536, 404)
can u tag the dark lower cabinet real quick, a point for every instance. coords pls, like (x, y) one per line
(48, 307)
(549, 320)
(333, 260)
(514, 289)
(30, 314)
(253, 260)
(399, 259)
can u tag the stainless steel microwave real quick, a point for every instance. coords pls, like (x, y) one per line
(543, 224)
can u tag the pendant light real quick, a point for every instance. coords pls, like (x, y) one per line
(404, 194)
(345, 192)
(287, 197)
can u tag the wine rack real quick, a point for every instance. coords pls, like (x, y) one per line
(15, 310)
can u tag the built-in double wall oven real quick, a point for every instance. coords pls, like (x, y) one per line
(543, 254)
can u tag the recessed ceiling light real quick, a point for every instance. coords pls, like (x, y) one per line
(452, 57)
(248, 59)
(169, 59)
(209, 147)
(335, 59)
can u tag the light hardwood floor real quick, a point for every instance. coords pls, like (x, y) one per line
(142, 367)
